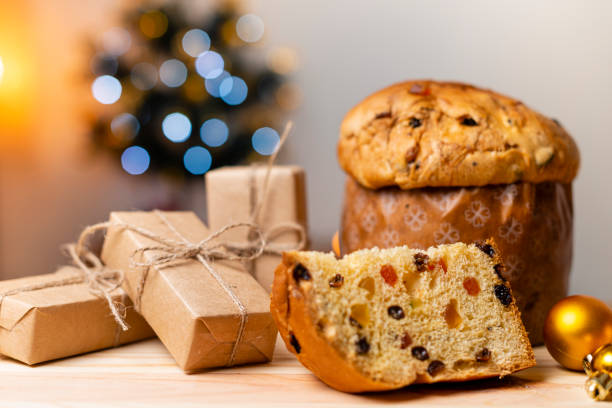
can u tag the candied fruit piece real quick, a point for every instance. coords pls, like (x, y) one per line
(471, 286)
(409, 279)
(499, 268)
(452, 317)
(503, 294)
(414, 122)
(362, 345)
(388, 273)
(486, 248)
(369, 285)
(406, 341)
(300, 273)
(483, 355)
(420, 261)
(442, 264)
(435, 367)
(360, 314)
(294, 343)
(336, 281)
(468, 121)
(396, 312)
(420, 353)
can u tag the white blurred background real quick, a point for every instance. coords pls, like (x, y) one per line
(556, 56)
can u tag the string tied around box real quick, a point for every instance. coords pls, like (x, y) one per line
(258, 201)
(100, 280)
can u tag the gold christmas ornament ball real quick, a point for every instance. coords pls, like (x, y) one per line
(575, 327)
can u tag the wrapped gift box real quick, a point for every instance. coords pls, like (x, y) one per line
(51, 316)
(198, 317)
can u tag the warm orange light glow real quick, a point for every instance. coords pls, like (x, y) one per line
(17, 85)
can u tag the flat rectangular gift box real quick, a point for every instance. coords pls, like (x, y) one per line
(191, 310)
(39, 323)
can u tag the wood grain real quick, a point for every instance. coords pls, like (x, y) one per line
(144, 375)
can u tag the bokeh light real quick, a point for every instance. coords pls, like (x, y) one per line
(144, 76)
(214, 132)
(1, 69)
(173, 73)
(212, 85)
(193, 89)
(135, 160)
(265, 140)
(195, 42)
(153, 24)
(282, 60)
(176, 127)
(116, 41)
(197, 160)
(125, 126)
(250, 28)
(233, 90)
(106, 89)
(209, 64)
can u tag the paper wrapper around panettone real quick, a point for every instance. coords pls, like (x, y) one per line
(531, 224)
(63, 320)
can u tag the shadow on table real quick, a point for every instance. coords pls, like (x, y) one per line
(414, 392)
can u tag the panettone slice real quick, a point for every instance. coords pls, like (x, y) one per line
(382, 319)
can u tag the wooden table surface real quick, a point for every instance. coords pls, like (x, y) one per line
(144, 375)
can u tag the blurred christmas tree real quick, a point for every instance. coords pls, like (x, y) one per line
(184, 97)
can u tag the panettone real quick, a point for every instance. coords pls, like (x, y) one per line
(432, 163)
(382, 319)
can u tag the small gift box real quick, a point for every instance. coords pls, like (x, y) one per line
(56, 315)
(272, 197)
(207, 311)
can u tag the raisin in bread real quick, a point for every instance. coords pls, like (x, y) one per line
(382, 319)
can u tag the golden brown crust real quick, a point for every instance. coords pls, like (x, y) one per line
(293, 315)
(432, 134)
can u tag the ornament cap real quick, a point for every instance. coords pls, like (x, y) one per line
(598, 386)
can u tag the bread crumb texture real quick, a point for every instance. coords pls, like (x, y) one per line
(386, 318)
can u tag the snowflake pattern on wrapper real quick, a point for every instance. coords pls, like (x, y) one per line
(415, 218)
(511, 230)
(514, 266)
(388, 203)
(477, 214)
(389, 237)
(446, 234)
(369, 221)
(507, 194)
(444, 201)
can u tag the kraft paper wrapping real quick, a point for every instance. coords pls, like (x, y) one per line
(61, 321)
(232, 193)
(186, 307)
(531, 224)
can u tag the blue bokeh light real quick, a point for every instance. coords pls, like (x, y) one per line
(173, 73)
(209, 64)
(144, 76)
(195, 42)
(212, 85)
(214, 132)
(135, 160)
(106, 89)
(176, 127)
(265, 140)
(233, 90)
(197, 160)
